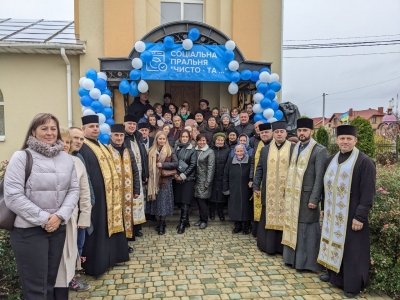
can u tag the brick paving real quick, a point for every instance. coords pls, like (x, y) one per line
(205, 265)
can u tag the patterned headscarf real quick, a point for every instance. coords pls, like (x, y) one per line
(245, 151)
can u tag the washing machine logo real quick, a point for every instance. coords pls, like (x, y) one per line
(158, 62)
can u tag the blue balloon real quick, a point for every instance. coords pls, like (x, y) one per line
(104, 138)
(235, 76)
(265, 103)
(135, 74)
(245, 74)
(146, 56)
(194, 34)
(270, 94)
(258, 117)
(275, 86)
(107, 111)
(91, 74)
(133, 89)
(255, 76)
(262, 87)
(265, 70)
(124, 86)
(274, 105)
(229, 55)
(169, 42)
(278, 115)
(82, 92)
(96, 106)
(86, 100)
(100, 83)
(110, 121)
(107, 92)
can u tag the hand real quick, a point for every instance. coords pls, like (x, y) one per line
(82, 227)
(178, 178)
(312, 206)
(258, 193)
(322, 213)
(52, 223)
(135, 196)
(159, 165)
(206, 186)
(357, 225)
(250, 184)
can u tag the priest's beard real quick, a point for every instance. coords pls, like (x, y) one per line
(304, 138)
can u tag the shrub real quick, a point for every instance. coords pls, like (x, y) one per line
(333, 148)
(322, 136)
(10, 287)
(385, 232)
(366, 141)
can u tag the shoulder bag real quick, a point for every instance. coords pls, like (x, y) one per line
(7, 217)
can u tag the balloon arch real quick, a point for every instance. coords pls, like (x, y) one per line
(96, 97)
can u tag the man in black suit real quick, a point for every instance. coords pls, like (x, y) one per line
(144, 129)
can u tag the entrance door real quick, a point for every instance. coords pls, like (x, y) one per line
(184, 91)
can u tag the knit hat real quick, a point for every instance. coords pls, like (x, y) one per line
(225, 116)
(219, 134)
(230, 130)
(198, 112)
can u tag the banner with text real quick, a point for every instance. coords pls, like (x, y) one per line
(201, 63)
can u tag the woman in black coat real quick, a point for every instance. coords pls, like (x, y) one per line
(221, 153)
(210, 128)
(238, 181)
(184, 179)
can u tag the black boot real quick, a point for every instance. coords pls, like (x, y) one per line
(238, 227)
(220, 209)
(246, 227)
(161, 230)
(212, 215)
(184, 219)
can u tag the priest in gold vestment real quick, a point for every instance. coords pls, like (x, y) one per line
(271, 173)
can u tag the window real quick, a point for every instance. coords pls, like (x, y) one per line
(335, 121)
(178, 10)
(373, 120)
(2, 129)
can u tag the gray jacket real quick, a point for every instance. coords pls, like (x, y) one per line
(204, 172)
(247, 129)
(52, 188)
(313, 184)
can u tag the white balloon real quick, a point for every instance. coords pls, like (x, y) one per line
(257, 108)
(88, 84)
(102, 75)
(187, 44)
(233, 65)
(105, 128)
(137, 63)
(88, 112)
(258, 82)
(258, 97)
(268, 113)
(95, 93)
(233, 88)
(85, 108)
(81, 80)
(102, 118)
(274, 77)
(140, 46)
(230, 45)
(143, 87)
(264, 76)
(105, 100)
(272, 120)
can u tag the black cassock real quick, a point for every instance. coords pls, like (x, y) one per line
(101, 251)
(353, 275)
(236, 180)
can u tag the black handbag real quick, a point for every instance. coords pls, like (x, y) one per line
(7, 217)
(182, 166)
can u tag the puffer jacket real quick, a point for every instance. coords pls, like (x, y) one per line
(52, 188)
(221, 156)
(188, 155)
(204, 172)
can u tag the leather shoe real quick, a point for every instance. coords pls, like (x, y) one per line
(130, 249)
(198, 223)
(350, 295)
(324, 277)
(203, 225)
(138, 234)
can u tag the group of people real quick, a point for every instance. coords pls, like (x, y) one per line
(84, 200)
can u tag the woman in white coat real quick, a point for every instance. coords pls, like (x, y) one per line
(70, 259)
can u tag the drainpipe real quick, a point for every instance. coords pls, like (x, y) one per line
(66, 60)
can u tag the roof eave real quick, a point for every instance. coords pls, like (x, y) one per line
(42, 48)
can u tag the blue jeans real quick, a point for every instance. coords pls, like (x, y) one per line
(81, 239)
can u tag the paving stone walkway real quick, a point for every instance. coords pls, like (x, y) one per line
(205, 264)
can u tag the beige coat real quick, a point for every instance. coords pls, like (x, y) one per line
(70, 258)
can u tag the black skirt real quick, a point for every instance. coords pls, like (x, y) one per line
(268, 240)
(184, 192)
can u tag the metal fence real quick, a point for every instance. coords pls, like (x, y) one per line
(386, 150)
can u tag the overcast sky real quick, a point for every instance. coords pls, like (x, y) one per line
(303, 79)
